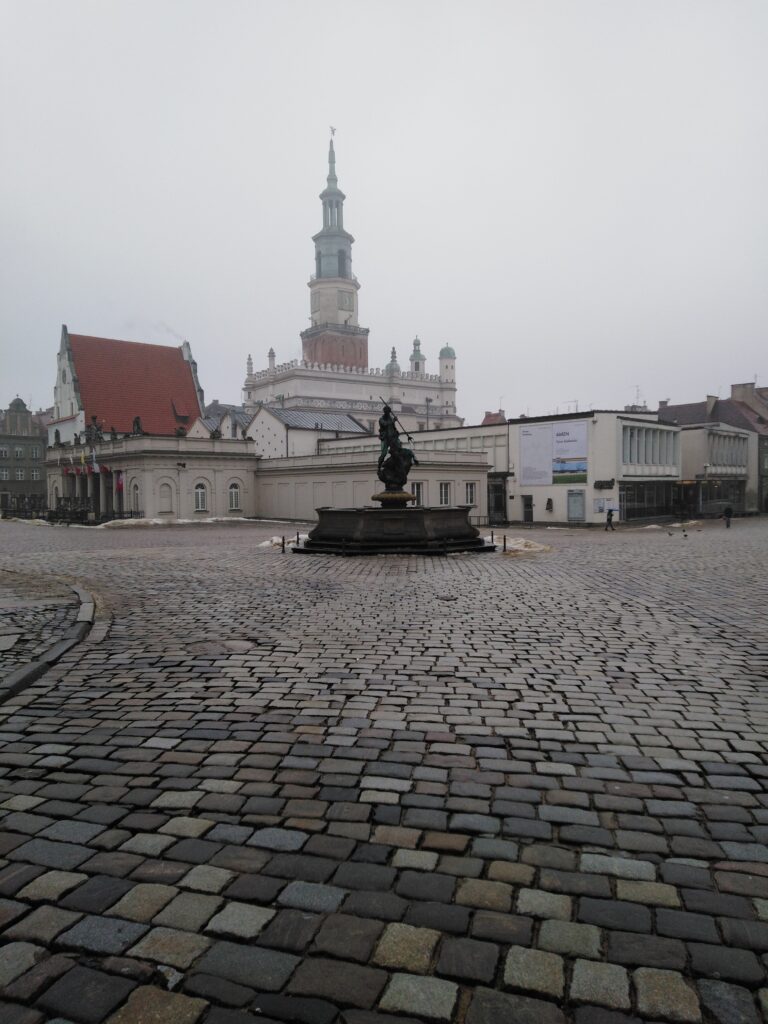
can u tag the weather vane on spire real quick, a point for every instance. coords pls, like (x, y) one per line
(333, 130)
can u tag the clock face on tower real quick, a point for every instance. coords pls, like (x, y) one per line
(346, 300)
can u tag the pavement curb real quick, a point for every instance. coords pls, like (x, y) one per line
(18, 680)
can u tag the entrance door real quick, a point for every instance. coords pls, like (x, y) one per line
(497, 505)
(527, 508)
(576, 507)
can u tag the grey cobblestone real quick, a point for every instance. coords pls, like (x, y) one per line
(272, 782)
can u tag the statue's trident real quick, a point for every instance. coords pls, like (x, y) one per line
(397, 420)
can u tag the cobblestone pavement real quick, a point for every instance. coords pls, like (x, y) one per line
(34, 613)
(316, 790)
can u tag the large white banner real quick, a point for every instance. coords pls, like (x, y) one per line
(536, 454)
(569, 452)
(554, 453)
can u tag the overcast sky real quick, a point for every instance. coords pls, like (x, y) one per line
(570, 192)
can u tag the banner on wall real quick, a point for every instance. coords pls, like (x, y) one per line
(536, 454)
(569, 452)
(554, 453)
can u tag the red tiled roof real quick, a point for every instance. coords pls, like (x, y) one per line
(123, 379)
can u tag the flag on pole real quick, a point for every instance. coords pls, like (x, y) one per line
(95, 468)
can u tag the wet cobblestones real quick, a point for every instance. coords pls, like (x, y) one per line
(34, 614)
(270, 788)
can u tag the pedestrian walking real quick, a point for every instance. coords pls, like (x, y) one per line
(609, 520)
(727, 513)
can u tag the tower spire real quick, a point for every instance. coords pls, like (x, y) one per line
(335, 335)
(333, 181)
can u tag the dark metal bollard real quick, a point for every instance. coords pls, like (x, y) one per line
(505, 542)
(491, 536)
(297, 536)
(282, 545)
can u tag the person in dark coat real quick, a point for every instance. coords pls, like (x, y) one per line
(609, 520)
(727, 513)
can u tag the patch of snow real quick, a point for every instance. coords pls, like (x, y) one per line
(31, 522)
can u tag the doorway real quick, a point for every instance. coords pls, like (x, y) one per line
(527, 508)
(497, 504)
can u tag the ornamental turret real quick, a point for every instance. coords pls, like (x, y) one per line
(417, 357)
(334, 336)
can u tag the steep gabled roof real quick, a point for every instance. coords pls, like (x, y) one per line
(119, 380)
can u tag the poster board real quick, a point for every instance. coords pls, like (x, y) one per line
(554, 453)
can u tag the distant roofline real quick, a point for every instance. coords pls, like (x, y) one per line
(122, 341)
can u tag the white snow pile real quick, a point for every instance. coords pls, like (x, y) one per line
(30, 522)
(517, 545)
(276, 542)
(122, 524)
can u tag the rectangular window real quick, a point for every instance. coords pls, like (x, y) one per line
(418, 491)
(35, 474)
(471, 489)
(19, 474)
(445, 494)
(625, 445)
(4, 474)
(35, 454)
(19, 453)
(3, 453)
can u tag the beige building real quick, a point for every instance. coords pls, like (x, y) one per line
(346, 478)
(155, 478)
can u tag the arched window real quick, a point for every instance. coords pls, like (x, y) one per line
(63, 376)
(166, 498)
(342, 263)
(234, 497)
(201, 498)
(135, 497)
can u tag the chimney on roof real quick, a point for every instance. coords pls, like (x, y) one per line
(663, 403)
(711, 403)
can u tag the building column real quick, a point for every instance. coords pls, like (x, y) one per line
(102, 495)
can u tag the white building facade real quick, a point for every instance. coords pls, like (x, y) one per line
(563, 469)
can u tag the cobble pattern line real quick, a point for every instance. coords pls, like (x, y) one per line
(35, 612)
(392, 789)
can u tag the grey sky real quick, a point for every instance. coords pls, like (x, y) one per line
(570, 193)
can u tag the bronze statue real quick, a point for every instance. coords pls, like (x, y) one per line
(136, 429)
(395, 461)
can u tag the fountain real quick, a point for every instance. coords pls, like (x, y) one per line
(394, 528)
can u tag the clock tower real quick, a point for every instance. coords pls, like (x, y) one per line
(335, 336)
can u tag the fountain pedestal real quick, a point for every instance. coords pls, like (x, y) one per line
(394, 529)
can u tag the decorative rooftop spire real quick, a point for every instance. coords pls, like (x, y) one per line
(333, 181)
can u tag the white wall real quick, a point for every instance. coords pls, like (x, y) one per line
(293, 488)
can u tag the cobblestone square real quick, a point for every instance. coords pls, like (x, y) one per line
(355, 791)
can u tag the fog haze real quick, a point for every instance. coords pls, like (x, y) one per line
(572, 194)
